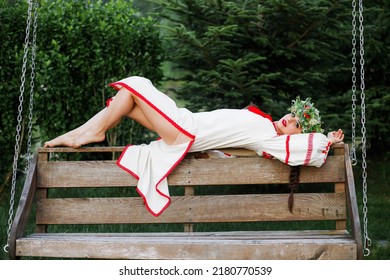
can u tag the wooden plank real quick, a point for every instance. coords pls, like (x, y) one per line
(189, 191)
(193, 209)
(240, 235)
(186, 246)
(108, 149)
(340, 188)
(190, 172)
(96, 149)
(40, 192)
(24, 208)
(352, 204)
(82, 174)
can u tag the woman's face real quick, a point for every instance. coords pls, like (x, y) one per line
(289, 124)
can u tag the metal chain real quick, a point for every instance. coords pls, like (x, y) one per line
(367, 240)
(19, 124)
(32, 78)
(353, 147)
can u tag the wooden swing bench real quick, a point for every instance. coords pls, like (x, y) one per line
(191, 211)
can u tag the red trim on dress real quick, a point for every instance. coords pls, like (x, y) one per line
(267, 155)
(309, 149)
(163, 177)
(287, 149)
(115, 85)
(327, 150)
(123, 167)
(108, 101)
(257, 111)
(156, 186)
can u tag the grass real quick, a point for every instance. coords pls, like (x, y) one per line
(378, 217)
(378, 207)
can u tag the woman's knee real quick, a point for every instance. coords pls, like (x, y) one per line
(122, 102)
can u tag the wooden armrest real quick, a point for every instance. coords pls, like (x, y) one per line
(24, 208)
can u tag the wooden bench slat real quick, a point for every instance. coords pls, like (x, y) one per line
(186, 246)
(277, 234)
(193, 209)
(190, 172)
(195, 171)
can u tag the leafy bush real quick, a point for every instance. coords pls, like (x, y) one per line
(85, 45)
(82, 46)
(13, 24)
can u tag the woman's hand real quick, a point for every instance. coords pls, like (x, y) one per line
(336, 136)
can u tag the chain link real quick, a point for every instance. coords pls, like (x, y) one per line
(353, 147)
(367, 240)
(32, 78)
(19, 122)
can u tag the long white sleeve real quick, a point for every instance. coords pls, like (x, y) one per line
(299, 149)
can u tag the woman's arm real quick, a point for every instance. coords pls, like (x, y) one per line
(300, 149)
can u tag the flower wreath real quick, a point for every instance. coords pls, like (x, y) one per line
(309, 116)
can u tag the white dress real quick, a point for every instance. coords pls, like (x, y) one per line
(224, 128)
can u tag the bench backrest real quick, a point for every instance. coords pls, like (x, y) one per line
(190, 204)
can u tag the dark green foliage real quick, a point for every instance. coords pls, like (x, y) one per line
(85, 45)
(231, 53)
(12, 29)
(82, 46)
(266, 52)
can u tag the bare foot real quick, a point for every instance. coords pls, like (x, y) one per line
(63, 140)
(87, 138)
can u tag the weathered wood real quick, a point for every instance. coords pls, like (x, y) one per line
(233, 151)
(195, 171)
(24, 208)
(41, 193)
(190, 172)
(81, 150)
(234, 245)
(352, 204)
(189, 191)
(193, 209)
(340, 188)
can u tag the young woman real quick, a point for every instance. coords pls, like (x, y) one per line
(295, 139)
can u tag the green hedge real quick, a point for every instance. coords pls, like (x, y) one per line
(82, 46)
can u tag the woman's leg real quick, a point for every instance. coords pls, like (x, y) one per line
(124, 104)
(120, 106)
(67, 139)
(95, 128)
(150, 118)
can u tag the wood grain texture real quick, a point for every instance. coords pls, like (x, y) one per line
(233, 245)
(194, 171)
(24, 208)
(190, 172)
(193, 209)
(352, 204)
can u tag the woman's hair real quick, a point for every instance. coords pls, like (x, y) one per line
(293, 185)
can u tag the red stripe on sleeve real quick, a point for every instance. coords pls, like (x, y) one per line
(309, 149)
(287, 149)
